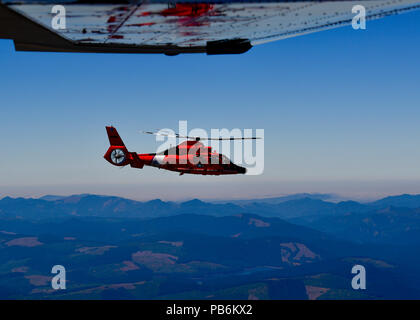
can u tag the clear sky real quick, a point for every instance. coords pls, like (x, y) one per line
(340, 110)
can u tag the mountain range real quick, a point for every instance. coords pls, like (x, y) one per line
(390, 220)
(300, 248)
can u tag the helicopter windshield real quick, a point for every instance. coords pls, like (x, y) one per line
(224, 159)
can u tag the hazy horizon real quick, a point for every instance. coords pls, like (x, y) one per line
(369, 192)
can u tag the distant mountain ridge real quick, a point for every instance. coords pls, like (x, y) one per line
(404, 200)
(105, 206)
(297, 207)
(390, 220)
(275, 200)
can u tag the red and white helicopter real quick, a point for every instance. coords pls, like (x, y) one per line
(190, 156)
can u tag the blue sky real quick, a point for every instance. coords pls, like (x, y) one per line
(340, 110)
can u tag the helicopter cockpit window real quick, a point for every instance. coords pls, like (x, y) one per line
(224, 159)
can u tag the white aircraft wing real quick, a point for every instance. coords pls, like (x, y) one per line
(214, 27)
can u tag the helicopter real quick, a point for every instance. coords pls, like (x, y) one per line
(190, 156)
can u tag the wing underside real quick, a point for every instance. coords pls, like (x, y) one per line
(177, 27)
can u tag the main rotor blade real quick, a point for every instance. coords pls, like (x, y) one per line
(164, 134)
(176, 135)
(232, 138)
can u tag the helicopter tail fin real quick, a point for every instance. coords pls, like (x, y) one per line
(114, 137)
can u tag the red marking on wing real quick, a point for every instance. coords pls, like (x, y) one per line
(116, 36)
(112, 19)
(188, 10)
(193, 10)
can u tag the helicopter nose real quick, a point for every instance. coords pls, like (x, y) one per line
(241, 169)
